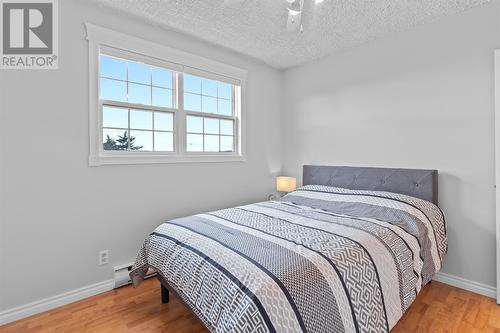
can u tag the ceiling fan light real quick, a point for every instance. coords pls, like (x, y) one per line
(294, 12)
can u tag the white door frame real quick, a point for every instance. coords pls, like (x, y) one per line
(497, 165)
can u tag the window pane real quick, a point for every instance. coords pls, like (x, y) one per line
(162, 97)
(194, 124)
(141, 140)
(209, 87)
(114, 139)
(139, 73)
(192, 102)
(211, 126)
(194, 142)
(113, 90)
(162, 77)
(164, 121)
(225, 90)
(114, 117)
(139, 94)
(226, 127)
(226, 143)
(164, 141)
(225, 107)
(211, 142)
(192, 83)
(112, 67)
(209, 104)
(141, 119)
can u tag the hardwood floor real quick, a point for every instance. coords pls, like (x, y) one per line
(438, 308)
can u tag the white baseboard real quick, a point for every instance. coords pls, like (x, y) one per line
(475, 287)
(49, 303)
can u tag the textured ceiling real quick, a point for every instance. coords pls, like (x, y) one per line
(258, 27)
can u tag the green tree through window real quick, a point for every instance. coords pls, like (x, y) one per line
(124, 142)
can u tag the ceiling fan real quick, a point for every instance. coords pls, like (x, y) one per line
(294, 21)
(294, 8)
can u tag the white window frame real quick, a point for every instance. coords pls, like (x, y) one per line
(134, 48)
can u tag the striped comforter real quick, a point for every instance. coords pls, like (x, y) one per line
(322, 259)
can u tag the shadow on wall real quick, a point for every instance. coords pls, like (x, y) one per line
(466, 227)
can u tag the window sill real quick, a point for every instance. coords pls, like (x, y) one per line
(112, 159)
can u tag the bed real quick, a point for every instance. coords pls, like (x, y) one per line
(348, 251)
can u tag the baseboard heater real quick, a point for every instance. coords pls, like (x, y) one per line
(121, 275)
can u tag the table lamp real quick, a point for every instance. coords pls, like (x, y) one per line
(283, 186)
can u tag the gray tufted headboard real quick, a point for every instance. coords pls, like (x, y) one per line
(418, 183)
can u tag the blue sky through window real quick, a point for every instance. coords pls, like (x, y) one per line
(207, 96)
(209, 134)
(113, 68)
(128, 81)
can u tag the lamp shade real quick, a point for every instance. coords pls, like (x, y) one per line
(286, 184)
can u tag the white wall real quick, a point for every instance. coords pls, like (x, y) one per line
(418, 99)
(57, 212)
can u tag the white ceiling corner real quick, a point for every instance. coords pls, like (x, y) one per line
(257, 28)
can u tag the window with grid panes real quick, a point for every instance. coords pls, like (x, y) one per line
(147, 107)
(210, 116)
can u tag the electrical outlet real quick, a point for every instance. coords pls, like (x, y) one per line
(103, 257)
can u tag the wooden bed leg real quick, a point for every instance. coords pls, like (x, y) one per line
(165, 295)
